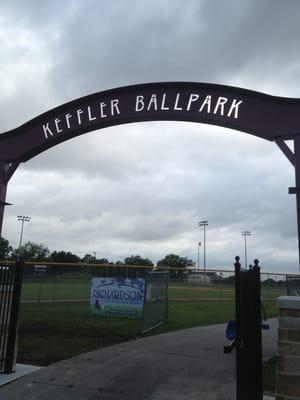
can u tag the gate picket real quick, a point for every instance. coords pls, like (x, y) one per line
(10, 291)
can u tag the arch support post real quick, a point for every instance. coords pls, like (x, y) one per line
(294, 158)
(6, 172)
(297, 188)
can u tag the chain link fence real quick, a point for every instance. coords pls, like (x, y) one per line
(52, 282)
(293, 285)
(156, 301)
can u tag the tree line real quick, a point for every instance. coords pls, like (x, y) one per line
(31, 251)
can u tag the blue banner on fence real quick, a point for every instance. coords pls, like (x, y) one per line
(117, 297)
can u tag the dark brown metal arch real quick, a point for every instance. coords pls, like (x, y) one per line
(269, 117)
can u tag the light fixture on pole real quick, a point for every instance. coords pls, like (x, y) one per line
(23, 219)
(204, 224)
(4, 203)
(245, 234)
(199, 244)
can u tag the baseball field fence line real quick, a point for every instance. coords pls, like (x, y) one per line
(68, 282)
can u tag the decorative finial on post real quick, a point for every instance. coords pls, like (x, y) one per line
(256, 266)
(237, 262)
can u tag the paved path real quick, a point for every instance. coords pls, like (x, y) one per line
(182, 365)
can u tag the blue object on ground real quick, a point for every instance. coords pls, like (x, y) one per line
(231, 330)
(265, 325)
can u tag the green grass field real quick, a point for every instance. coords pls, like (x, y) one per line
(50, 332)
(79, 289)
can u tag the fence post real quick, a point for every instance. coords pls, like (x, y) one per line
(248, 333)
(237, 268)
(53, 284)
(14, 315)
(6, 276)
(194, 294)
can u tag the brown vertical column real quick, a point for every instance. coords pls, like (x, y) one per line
(3, 189)
(6, 172)
(297, 179)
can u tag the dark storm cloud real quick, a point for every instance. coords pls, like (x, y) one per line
(142, 188)
(95, 46)
(147, 41)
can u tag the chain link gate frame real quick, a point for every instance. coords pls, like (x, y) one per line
(155, 310)
(11, 276)
(293, 285)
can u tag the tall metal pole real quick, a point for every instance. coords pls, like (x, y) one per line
(199, 244)
(246, 262)
(204, 249)
(245, 234)
(204, 224)
(23, 219)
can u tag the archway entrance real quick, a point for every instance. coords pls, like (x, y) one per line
(268, 117)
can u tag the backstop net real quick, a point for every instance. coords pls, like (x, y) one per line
(156, 300)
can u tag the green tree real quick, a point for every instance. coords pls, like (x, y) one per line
(89, 259)
(102, 261)
(5, 249)
(31, 251)
(63, 257)
(137, 260)
(175, 264)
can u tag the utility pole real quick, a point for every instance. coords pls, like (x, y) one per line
(245, 234)
(204, 224)
(199, 244)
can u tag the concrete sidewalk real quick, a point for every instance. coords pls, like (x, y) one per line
(187, 364)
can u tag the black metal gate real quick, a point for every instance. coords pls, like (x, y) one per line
(10, 292)
(248, 332)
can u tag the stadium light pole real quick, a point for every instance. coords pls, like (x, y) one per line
(23, 219)
(204, 224)
(245, 234)
(199, 244)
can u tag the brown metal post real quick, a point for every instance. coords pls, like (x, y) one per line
(3, 189)
(297, 179)
(6, 172)
(294, 158)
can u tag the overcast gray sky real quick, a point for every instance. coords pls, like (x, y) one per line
(142, 188)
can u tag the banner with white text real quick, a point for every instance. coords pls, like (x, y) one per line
(122, 297)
